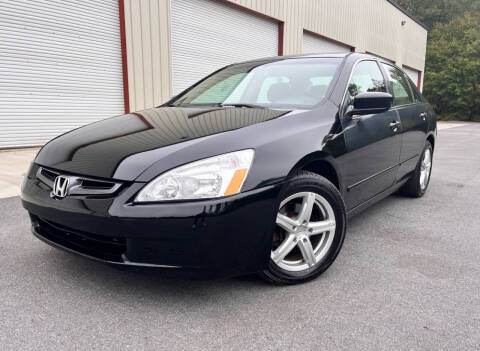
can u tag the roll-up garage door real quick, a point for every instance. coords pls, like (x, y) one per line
(60, 67)
(413, 74)
(316, 44)
(207, 35)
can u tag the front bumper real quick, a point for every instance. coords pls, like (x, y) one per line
(226, 236)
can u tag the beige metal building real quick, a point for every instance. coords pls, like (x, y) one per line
(65, 64)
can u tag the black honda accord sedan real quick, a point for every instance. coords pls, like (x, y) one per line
(255, 168)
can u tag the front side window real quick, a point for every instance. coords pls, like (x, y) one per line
(366, 77)
(288, 83)
(402, 95)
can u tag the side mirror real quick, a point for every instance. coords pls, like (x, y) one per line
(370, 103)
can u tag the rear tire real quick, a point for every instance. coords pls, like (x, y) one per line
(417, 185)
(309, 232)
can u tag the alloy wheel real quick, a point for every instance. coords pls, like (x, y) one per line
(425, 168)
(305, 228)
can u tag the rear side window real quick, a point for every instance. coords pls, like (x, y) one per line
(402, 94)
(366, 77)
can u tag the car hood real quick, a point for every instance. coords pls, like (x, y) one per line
(124, 147)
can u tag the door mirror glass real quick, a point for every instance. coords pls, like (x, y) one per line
(370, 103)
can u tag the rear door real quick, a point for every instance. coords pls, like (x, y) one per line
(372, 141)
(413, 116)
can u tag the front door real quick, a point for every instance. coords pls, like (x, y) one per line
(372, 141)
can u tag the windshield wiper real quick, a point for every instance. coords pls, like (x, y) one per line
(243, 105)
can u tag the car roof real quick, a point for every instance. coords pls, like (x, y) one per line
(343, 55)
(323, 54)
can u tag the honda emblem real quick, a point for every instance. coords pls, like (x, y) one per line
(60, 187)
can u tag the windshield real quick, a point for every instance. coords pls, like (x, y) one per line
(290, 84)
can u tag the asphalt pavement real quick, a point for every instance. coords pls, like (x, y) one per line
(407, 278)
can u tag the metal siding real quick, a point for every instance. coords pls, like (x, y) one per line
(368, 25)
(313, 44)
(207, 35)
(60, 68)
(147, 26)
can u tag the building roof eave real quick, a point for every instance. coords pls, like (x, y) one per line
(407, 14)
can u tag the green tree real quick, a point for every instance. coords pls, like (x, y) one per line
(452, 69)
(452, 72)
(431, 12)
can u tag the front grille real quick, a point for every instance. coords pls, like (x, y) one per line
(102, 247)
(79, 185)
(97, 184)
(48, 174)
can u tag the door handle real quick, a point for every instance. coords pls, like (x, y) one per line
(394, 125)
(423, 115)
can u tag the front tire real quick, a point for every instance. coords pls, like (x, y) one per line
(309, 232)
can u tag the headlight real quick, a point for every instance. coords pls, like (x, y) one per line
(211, 177)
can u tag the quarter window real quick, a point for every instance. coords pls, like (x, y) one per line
(366, 77)
(402, 95)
